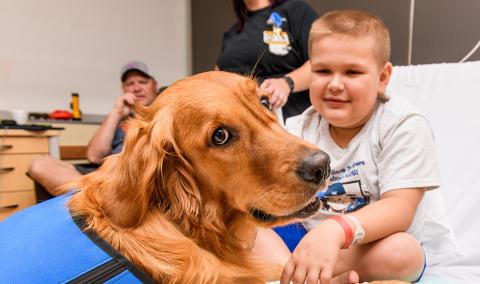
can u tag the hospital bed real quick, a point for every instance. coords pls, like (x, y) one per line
(449, 95)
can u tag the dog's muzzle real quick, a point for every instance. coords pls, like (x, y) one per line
(314, 171)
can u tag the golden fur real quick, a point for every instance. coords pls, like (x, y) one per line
(180, 207)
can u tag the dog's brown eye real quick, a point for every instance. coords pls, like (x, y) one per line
(221, 136)
(266, 103)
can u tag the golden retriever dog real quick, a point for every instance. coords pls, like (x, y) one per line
(201, 169)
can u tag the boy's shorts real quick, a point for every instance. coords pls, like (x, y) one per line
(86, 168)
(291, 234)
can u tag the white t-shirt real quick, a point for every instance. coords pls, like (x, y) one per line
(394, 150)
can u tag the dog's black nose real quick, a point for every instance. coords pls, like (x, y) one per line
(315, 168)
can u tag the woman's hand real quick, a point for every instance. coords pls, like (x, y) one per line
(279, 90)
(315, 256)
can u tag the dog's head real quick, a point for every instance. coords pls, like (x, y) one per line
(212, 139)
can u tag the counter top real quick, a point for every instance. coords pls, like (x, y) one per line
(86, 119)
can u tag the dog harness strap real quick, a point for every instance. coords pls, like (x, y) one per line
(112, 268)
(100, 274)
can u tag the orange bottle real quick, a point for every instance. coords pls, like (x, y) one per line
(75, 106)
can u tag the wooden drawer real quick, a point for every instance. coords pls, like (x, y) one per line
(11, 202)
(12, 172)
(15, 145)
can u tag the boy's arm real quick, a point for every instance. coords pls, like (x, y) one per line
(393, 213)
(270, 248)
(318, 252)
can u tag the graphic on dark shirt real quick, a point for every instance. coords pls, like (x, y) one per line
(277, 39)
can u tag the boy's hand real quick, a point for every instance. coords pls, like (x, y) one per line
(315, 256)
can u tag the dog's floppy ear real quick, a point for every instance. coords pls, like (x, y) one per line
(151, 173)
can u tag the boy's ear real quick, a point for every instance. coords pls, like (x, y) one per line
(385, 74)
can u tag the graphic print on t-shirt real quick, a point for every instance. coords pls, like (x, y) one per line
(346, 192)
(277, 39)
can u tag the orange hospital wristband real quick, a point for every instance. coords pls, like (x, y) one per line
(346, 229)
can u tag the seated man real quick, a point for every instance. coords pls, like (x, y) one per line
(138, 85)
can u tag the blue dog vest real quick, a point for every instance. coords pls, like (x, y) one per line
(43, 244)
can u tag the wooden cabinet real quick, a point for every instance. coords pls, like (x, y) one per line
(17, 149)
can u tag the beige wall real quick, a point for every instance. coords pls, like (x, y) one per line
(51, 48)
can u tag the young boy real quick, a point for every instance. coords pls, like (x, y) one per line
(373, 223)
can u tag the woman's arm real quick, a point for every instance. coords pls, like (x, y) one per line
(301, 77)
(279, 88)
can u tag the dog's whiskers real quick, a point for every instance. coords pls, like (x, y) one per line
(256, 64)
(266, 194)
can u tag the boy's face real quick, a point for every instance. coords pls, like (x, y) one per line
(346, 79)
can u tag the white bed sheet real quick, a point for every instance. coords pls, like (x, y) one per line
(449, 95)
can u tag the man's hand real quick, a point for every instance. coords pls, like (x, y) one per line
(123, 104)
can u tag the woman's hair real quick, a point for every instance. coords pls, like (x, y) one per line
(353, 23)
(241, 12)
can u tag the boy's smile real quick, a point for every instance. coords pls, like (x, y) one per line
(333, 102)
(346, 80)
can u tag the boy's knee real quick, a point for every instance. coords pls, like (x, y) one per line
(402, 256)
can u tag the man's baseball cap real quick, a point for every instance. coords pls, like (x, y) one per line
(134, 65)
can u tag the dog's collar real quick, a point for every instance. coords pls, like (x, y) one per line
(120, 262)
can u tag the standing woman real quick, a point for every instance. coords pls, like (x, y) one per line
(270, 41)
